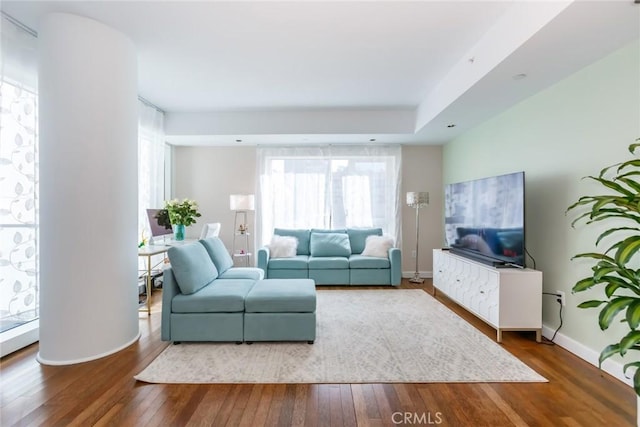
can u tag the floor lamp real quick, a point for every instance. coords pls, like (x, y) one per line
(241, 204)
(417, 200)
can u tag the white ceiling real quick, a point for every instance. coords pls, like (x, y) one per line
(336, 71)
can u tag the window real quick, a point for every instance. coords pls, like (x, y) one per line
(328, 187)
(151, 163)
(19, 302)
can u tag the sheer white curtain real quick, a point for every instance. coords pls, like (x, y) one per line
(328, 187)
(151, 163)
(19, 275)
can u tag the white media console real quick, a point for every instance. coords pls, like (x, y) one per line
(509, 299)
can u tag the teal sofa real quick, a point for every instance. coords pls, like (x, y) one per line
(332, 257)
(205, 298)
(203, 294)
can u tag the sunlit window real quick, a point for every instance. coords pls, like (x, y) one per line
(329, 187)
(18, 205)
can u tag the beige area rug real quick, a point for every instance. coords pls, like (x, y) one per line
(363, 336)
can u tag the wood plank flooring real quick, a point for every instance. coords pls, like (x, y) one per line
(104, 393)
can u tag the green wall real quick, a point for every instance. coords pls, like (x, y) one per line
(557, 136)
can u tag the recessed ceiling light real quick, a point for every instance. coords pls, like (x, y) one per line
(452, 125)
(519, 76)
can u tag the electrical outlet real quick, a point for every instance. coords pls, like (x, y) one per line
(413, 254)
(563, 300)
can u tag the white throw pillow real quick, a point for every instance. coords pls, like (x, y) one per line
(282, 246)
(377, 246)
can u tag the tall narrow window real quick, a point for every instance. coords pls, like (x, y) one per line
(151, 162)
(328, 187)
(19, 279)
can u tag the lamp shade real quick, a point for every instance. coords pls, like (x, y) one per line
(241, 202)
(417, 199)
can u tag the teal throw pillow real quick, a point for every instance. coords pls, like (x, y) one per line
(192, 267)
(218, 253)
(330, 244)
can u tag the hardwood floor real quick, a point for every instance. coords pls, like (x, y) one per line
(103, 392)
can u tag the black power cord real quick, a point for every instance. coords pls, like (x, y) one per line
(559, 301)
(532, 258)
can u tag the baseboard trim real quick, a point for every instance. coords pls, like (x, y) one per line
(610, 366)
(44, 361)
(19, 337)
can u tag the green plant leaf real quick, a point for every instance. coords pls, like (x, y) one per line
(636, 375)
(629, 174)
(636, 382)
(627, 249)
(595, 255)
(624, 209)
(611, 288)
(611, 310)
(579, 218)
(621, 215)
(633, 185)
(601, 201)
(615, 230)
(630, 365)
(583, 285)
(600, 272)
(591, 304)
(629, 163)
(611, 184)
(606, 170)
(613, 247)
(632, 147)
(622, 201)
(633, 315)
(581, 201)
(629, 340)
(615, 283)
(608, 351)
(604, 264)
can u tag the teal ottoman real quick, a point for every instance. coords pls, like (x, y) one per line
(280, 310)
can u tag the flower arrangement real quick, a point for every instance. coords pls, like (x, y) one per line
(182, 212)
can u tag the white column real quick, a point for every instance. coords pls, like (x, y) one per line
(88, 190)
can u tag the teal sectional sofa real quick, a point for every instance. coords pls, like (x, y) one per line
(205, 298)
(203, 294)
(332, 257)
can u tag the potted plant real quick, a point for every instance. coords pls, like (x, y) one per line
(180, 214)
(613, 268)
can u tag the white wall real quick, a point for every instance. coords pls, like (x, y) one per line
(421, 171)
(210, 174)
(570, 130)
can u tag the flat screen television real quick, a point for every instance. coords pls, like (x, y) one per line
(484, 219)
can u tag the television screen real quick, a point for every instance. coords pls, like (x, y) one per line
(157, 229)
(484, 219)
